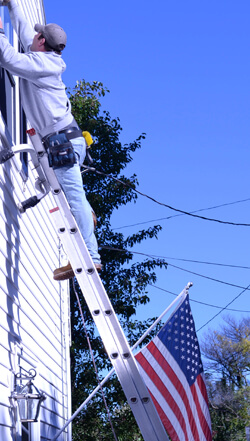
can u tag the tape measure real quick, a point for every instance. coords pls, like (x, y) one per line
(88, 138)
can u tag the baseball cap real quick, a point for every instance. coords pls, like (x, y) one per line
(53, 34)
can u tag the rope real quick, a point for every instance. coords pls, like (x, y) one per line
(93, 360)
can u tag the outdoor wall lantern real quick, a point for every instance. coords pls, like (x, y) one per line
(27, 396)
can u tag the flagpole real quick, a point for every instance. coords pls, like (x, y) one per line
(184, 292)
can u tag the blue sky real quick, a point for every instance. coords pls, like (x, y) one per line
(178, 71)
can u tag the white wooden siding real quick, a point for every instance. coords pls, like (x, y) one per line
(32, 305)
(34, 320)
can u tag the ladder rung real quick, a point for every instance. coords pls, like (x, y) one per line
(101, 308)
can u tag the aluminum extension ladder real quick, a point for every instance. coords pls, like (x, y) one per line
(109, 328)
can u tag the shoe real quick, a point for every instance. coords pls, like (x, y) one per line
(63, 273)
(66, 272)
(98, 267)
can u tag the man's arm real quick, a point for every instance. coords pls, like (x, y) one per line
(20, 24)
(29, 66)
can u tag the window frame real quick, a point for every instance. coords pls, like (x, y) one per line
(11, 108)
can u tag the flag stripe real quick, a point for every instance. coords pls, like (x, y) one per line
(165, 412)
(166, 422)
(159, 390)
(173, 374)
(203, 400)
(172, 370)
(200, 417)
(179, 386)
(183, 400)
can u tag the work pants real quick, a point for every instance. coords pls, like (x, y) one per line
(70, 179)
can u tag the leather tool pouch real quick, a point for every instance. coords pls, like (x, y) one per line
(60, 151)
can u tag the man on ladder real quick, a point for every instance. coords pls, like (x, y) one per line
(48, 110)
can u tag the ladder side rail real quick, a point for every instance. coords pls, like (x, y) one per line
(106, 321)
(111, 372)
(27, 148)
(116, 345)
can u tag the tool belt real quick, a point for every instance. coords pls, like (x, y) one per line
(59, 148)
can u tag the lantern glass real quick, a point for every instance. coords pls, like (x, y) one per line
(29, 401)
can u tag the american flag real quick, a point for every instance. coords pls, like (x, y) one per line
(173, 372)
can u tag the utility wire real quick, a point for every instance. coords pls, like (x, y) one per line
(225, 307)
(198, 301)
(188, 271)
(210, 263)
(92, 169)
(183, 269)
(206, 304)
(181, 214)
(152, 256)
(207, 277)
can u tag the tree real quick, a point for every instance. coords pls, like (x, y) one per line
(228, 354)
(229, 410)
(125, 280)
(229, 351)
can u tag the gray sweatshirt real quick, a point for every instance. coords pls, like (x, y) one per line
(43, 95)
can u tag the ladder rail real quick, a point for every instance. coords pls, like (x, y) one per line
(102, 311)
(93, 393)
(27, 148)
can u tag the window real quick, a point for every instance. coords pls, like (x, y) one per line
(23, 140)
(7, 100)
(6, 23)
(23, 135)
(7, 82)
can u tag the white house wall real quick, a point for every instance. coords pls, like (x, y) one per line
(34, 319)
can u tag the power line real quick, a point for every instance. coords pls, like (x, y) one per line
(225, 307)
(207, 277)
(152, 256)
(181, 214)
(209, 263)
(178, 267)
(202, 303)
(191, 272)
(192, 214)
(92, 169)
